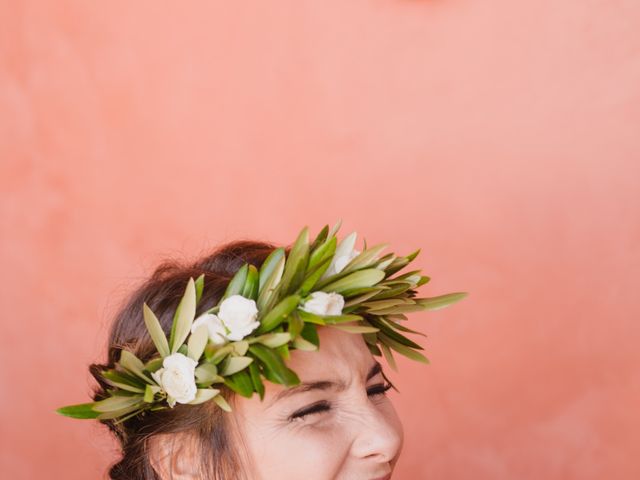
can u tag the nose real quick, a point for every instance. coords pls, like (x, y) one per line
(379, 434)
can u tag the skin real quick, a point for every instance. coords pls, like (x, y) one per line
(359, 436)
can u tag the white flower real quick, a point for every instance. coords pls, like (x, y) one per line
(323, 303)
(345, 252)
(177, 378)
(238, 314)
(217, 332)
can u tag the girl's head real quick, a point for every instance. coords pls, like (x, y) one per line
(337, 424)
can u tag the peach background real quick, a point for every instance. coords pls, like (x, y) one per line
(501, 137)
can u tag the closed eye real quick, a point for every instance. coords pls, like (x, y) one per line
(324, 406)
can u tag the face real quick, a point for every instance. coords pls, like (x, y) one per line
(337, 425)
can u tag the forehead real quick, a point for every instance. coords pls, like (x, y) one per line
(342, 358)
(341, 355)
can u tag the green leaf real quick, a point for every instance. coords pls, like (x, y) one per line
(204, 395)
(309, 317)
(81, 410)
(153, 365)
(254, 372)
(122, 414)
(199, 287)
(240, 347)
(222, 403)
(283, 351)
(296, 323)
(240, 383)
(124, 386)
(323, 252)
(310, 333)
(116, 403)
(296, 264)
(335, 228)
(402, 328)
(155, 331)
(206, 373)
(398, 264)
(411, 257)
(268, 292)
(149, 393)
(122, 376)
(270, 265)
(402, 349)
(234, 364)
(301, 344)
(275, 369)
(273, 340)
(403, 308)
(355, 328)
(320, 238)
(337, 319)
(388, 330)
(374, 350)
(360, 299)
(277, 315)
(236, 285)
(183, 317)
(216, 354)
(365, 259)
(313, 275)
(388, 356)
(385, 261)
(197, 341)
(251, 284)
(441, 301)
(393, 291)
(133, 364)
(359, 291)
(360, 279)
(392, 302)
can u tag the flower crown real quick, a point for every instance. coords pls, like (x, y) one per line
(263, 314)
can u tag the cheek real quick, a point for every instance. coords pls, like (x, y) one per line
(312, 452)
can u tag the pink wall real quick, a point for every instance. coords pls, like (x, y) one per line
(501, 137)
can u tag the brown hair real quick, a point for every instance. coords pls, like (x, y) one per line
(206, 423)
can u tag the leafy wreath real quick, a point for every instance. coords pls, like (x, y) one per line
(247, 336)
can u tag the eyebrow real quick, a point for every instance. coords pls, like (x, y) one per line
(375, 369)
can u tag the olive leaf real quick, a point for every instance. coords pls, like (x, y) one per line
(81, 411)
(251, 284)
(270, 287)
(360, 279)
(296, 264)
(270, 265)
(199, 287)
(275, 369)
(402, 349)
(155, 331)
(197, 341)
(236, 285)
(240, 382)
(355, 328)
(254, 372)
(441, 301)
(203, 395)
(222, 403)
(232, 365)
(277, 315)
(183, 317)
